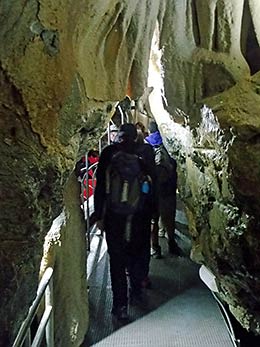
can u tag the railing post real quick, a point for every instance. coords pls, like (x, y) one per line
(24, 332)
(49, 331)
(122, 114)
(108, 134)
(28, 340)
(87, 202)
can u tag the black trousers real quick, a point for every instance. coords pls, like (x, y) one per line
(132, 254)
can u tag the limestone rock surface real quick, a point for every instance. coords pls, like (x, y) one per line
(63, 66)
(65, 250)
(209, 54)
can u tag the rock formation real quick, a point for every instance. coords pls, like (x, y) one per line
(210, 51)
(63, 66)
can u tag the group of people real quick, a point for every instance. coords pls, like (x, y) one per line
(135, 194)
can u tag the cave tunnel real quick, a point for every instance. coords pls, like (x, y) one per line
(69, 71)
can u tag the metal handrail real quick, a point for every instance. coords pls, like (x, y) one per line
(47, 322)
(87, 209)
(46, 285)
(210, 280)
(85, 177)
(236, 342)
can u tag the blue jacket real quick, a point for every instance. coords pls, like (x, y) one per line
(154, 139)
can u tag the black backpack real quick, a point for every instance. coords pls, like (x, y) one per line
(126, 183)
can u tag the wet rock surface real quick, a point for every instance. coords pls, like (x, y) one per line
(63, 66)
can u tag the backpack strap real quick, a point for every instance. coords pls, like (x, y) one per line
(128, 227)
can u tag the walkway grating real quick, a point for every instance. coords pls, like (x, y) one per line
(178, 311)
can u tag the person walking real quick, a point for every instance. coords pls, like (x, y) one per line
(126, 220)
(167, 185)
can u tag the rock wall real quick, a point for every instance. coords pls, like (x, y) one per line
(209, 53)
(65, 250)
(63, 65)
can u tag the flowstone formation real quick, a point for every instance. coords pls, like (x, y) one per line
(209, 59)
(63, 66)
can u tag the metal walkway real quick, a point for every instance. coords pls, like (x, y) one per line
(178, 310)
(188, 320)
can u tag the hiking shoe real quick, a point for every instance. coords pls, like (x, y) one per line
(156, 252)
(120, 313)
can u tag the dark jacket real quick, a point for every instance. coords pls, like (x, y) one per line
(147, 153)
(167, 184)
